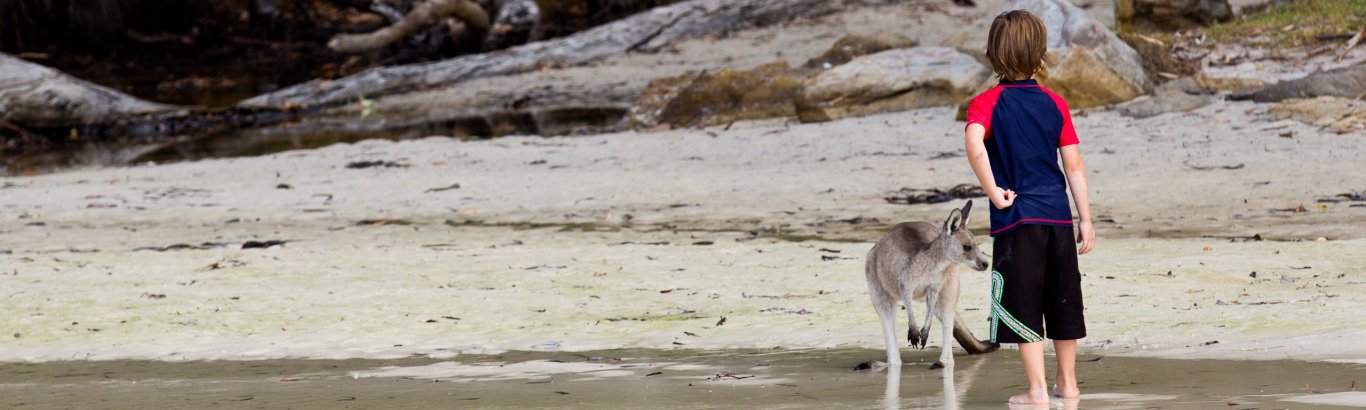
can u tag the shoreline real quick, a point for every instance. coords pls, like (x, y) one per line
(652, 378)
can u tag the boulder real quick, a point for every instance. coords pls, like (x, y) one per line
(971, 39)
(1181, 95)
(1173, 14)
(1336, 114)
(35, 96)
(1248, 7)
(1094, 66)
(1229, 84)
(1349, 82)
(855, 45)
(711, 98)
(892, 80)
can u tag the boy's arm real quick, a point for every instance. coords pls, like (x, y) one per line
(1076, 180)
(974, 138)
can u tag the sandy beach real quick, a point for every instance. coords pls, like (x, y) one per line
(650, 239)
(672, 266)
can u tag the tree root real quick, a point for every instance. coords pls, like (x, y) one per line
(427, 14)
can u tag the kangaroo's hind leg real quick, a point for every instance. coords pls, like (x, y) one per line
(946, 308)
(885, 305)
(946, 322)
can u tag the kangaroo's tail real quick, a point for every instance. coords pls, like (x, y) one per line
(967, 340)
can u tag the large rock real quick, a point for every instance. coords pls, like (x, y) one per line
(729, 95)
(855, 45)
(892, 80)
(1173, 14)
(649, 31)
(1349, 82)
(1094, 66)
(720, 97)
(1336, 114)
(1248, 7)
(35, 96)
(1181, 95)
(971, 39)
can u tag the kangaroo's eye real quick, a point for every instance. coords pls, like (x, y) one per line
(967, 248)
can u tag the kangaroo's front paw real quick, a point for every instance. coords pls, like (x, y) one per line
(924, 340)
(916, 337)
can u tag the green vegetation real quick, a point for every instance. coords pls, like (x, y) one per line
(1296, 23)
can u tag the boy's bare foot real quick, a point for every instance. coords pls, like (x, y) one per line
(1066, 392)
(1032, 397)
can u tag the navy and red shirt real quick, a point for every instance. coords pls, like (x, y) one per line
(1026, 125)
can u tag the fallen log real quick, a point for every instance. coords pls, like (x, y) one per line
(35, 96)
(43, 108)
(644, 32)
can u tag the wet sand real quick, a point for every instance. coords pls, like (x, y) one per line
(816, 378)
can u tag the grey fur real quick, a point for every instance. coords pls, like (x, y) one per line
(919, 261)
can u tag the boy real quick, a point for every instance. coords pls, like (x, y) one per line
(1014, 134)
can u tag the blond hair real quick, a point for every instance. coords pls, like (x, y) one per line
(1017, 45)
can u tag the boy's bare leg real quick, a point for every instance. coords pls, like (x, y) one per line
(1066, 386)
(1032, 356)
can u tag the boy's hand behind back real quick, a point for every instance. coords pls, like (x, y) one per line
(1002, 198)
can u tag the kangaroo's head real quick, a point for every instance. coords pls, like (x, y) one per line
(961, 245)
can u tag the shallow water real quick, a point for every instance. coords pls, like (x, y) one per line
(668, 379)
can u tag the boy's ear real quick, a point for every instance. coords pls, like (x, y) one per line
(951, 224)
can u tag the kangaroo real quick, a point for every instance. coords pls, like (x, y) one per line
(919, 261)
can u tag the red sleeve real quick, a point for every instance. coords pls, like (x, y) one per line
(979, 109)
(1069, 134)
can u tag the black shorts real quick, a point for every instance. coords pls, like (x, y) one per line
(1034, 280)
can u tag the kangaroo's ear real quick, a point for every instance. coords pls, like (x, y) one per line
(967, 209)
(951, 224)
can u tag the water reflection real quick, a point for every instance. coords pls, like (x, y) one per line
(953, 391)
(891, 398)
(314, 132)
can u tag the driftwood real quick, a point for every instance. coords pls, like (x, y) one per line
(40, 107)
(644, 32)
(516, 22)
(33, 95)
(1352, 42)
(423, 16)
